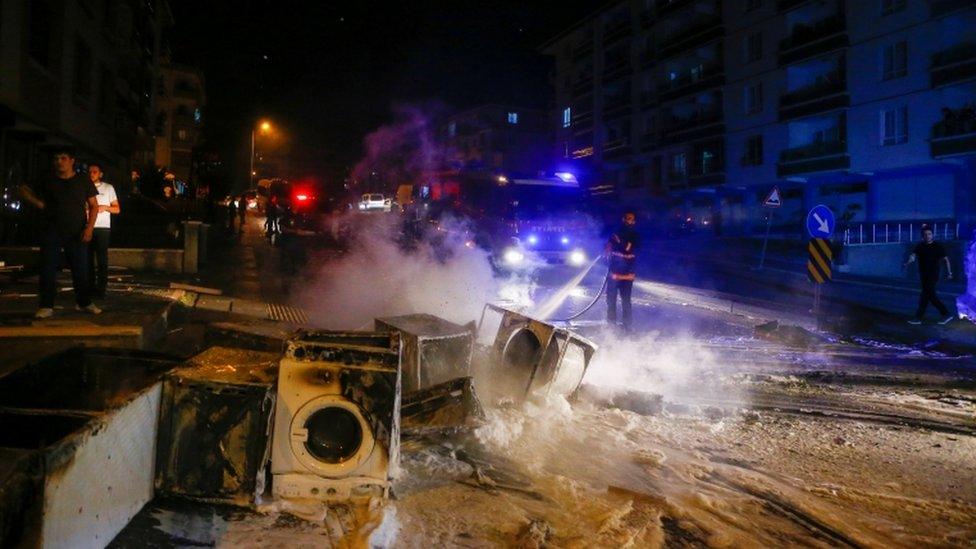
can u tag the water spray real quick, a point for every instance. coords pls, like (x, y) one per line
(550, 306)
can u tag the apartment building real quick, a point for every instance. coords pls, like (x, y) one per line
(500, 138)
(707, 105)
(180, 92)
(78, 72)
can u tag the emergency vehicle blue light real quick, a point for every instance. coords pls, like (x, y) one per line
(564, 240)
(566, 177)
(533, 239)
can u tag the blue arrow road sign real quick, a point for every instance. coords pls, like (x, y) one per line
(820, 222)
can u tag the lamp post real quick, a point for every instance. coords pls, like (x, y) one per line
(265, 127)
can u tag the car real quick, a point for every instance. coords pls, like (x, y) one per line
(375, 202)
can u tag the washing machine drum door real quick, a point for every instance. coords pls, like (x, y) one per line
(331, 437)
(334, 434)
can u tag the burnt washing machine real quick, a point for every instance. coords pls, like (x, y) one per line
(336, 427)
(524, 356)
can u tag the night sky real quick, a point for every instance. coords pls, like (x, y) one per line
(329, 74)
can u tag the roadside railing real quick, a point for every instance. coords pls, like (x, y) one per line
(893, 233)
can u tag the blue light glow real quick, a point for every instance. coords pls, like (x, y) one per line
(533, 239)
(566, 177)
(564, 240)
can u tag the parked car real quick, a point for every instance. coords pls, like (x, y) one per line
(375, 202)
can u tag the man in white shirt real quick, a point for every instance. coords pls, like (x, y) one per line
(108, 204)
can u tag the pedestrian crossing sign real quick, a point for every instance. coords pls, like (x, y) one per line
(773, 199)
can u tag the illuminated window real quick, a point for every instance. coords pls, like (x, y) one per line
(567, 117)
(181, 135)
(894, 60)
(894, 126)
(513, 118)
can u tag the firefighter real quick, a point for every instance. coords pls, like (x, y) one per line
(621, 250)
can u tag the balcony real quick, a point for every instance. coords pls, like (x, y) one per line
(693, 36)
(647, 58)
(616, 30)
(822, 156)
(954, 135)
(648, 141)
(955, 64)
(942, 7)
(616, 148)
(697, 126)
(712, 173)
(806, 41)
(665, 7)
(646, 19)
(616, 105)
(710, 76)
(787, 5)
(583, 85)
(826, 95)
(582, 120)
(648, 99)
(582, 50)
(616, 68)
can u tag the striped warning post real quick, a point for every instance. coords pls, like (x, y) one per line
(819, 263)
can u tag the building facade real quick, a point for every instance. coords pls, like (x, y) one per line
(79, 73)
(499, 138)
(707, 105)
(180, 100)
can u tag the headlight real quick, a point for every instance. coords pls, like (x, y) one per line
(564, 240)
(513, 256)
(533, 239)
(362, 206)
(577, 257)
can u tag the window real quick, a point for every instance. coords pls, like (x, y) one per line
(82, 81)
(513, 118)
(754, 47)
(181, 135)
(39, 32)
(754, 151)
(753, 5)
(679, 165)
(894, 126)
(197, 115)
(895, 60)
(451, 129)
(754, 98)
(889, 7)
(567, 117)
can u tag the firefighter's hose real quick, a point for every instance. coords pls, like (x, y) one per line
(603, 288)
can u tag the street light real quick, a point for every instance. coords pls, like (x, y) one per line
(265, 127)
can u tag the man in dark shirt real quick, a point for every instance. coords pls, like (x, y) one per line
(68, 205)
(620, 280)
(930, 256)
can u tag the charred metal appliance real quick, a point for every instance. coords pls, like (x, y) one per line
(434, 350)
(336, 428)
(214, 425)
(526, 356)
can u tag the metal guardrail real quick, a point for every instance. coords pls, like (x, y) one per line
(894, 233)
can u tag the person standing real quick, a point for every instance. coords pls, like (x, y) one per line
(930, 256)
(242, 210)
(108, 205)
(65, 228)
(620, 280)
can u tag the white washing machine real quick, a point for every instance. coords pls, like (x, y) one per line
(336, 427)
